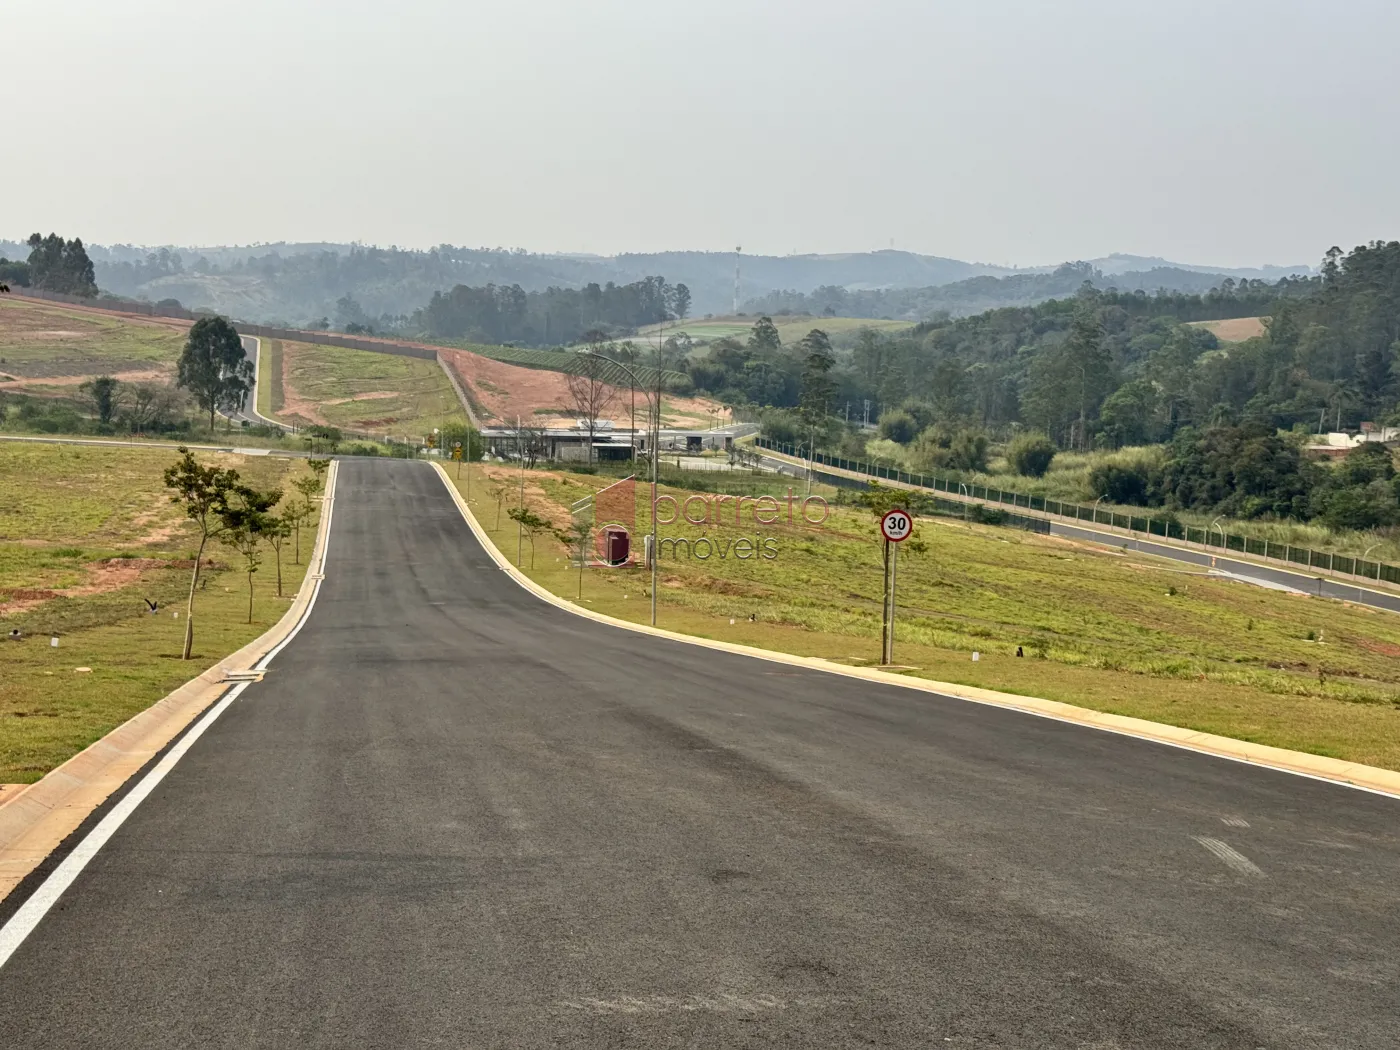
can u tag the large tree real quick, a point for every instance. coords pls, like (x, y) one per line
(214, 368)
(61, 266)
(104, 395)
(817, 386)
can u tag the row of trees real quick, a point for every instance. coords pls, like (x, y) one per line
(241, 517)
(1210, 295)
(1107, 369)
(57, 265)
(1250, 470)
(556, 316)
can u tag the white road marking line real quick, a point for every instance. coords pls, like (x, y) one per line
(1232, 857)
(1234, 822)
(23, 921)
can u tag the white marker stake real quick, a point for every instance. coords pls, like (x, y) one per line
(976, 656)
(53, 643)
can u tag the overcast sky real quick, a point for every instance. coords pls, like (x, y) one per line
(1007, 131)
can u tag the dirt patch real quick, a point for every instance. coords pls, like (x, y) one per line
(503, 391)
(293, 404)
(145, 375)
(103, 577)
(1235, 329)
(1381, 648)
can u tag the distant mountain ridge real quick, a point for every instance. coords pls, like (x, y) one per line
(301, 282)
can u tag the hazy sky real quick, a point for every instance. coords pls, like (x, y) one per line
(1009, 131)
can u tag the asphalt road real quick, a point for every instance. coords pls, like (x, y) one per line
(455, 816)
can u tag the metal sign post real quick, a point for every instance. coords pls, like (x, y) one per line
(896, 526)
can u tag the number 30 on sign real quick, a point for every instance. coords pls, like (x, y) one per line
(896, 526)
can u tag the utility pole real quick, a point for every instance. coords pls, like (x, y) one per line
(811, 457)
(865, 421)
(519, 522)
(655, 462)
(737, 252)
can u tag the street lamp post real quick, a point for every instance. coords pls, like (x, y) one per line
(1214, 526)
(1095, 512)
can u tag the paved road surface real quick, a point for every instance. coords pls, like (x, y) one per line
(453, 816)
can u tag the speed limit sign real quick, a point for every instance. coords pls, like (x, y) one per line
(896, 526)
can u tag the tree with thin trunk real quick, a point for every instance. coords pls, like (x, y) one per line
(499, 490)
(533, 524)
(214, 367)
(204, 493)
(247, 522)
(590, 394)
(300, 512)
(279, 527)
(577, 538)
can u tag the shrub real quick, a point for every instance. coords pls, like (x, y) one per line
(898, 426)
(1030, 455)
(969, 450)
(1121, 482)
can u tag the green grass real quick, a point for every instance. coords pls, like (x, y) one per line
(337, 383)
(842, 330)
(1105, 630)
(272, 398)
(40, 341)
(98, 520)
(1068, 481)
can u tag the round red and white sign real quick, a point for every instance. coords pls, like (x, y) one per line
(896, 526)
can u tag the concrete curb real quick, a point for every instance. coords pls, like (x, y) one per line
(34, 821)
(1352, 774)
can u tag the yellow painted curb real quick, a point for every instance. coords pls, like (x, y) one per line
(1370, 778)
(34, 821)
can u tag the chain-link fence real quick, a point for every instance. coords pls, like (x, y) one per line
(1168, 528)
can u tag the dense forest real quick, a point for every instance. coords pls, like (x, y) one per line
(555, 316)
(1105, 369)
(1014, 365)
(979, 294)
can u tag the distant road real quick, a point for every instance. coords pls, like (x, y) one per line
(1327, 587)
(1246, 571)
(454, 815)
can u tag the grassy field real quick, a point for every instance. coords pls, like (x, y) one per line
(361, 390)
(86, 536)
(272, 400)
(1068, 480)
(1105, 630)
(790, 329)
(43, 341)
